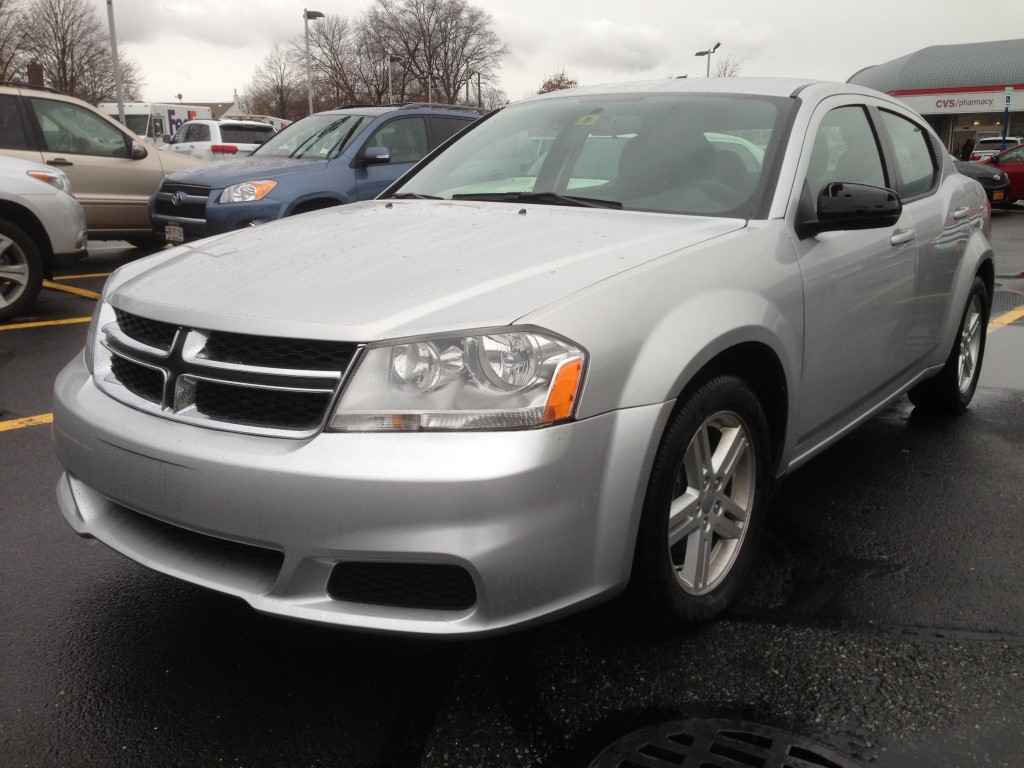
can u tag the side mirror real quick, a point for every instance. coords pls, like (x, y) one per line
(844, 205)
(995, 159)
(139, 151)
(376, 156)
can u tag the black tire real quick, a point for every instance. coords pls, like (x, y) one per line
(952, 389)
(21, 270)
(721, 511)
(149, 243)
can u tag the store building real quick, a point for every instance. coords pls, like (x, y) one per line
(966, 92)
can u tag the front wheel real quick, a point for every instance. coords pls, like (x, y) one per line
(21, 270)
(952, 389)
(703, 513)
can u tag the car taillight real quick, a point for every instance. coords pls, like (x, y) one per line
(223, 149)
(974, 156)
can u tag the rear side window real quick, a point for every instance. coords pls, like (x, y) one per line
(245, 134)
(914, 161)
(199, 132)
(446, 127)
(12, 129)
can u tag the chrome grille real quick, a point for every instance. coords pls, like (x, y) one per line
(237, 382)
(261, 351)
(185, 201)
(148, 332)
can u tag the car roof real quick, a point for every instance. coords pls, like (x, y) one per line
(762, 86)
(416, 107)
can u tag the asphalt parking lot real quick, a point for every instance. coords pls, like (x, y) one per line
(884, 620)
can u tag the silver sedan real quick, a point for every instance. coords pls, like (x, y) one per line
(569, 353)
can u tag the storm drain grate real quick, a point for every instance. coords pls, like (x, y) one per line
(1005, 301)
(718, 744)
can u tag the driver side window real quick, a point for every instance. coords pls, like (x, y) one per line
(70, 128)
(845, 149)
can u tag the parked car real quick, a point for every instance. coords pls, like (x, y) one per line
(219, 139)
(112, 171)
(1010, 163)
(989, 145)
(327, 159)
(39, 221)
(484, 400)
(995, 183)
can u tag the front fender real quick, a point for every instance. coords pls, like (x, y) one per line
(651, 329)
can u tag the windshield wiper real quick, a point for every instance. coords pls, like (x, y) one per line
(414, 196)
(545, 198)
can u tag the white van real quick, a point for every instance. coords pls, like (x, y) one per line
(155, 122)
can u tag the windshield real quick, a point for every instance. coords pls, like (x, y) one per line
(137, 124)
(245, 134)
(315, 137)
(673, 153)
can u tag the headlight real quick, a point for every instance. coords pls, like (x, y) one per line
(247, 191)
(53, 177)
(496, 379)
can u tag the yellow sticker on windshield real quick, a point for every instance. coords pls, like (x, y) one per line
(590, 119)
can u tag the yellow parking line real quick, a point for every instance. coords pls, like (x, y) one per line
(28, 421)
(1006, 319)
(69, 289)
(82, 277)
(43, 323)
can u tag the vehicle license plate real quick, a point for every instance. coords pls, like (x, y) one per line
(997, 195)
(173, 233)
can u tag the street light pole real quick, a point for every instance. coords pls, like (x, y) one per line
(708, 53)
(117, 64)
(392, 59)
(306, 16)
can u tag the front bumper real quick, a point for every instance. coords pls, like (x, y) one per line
(542, 521)
(201, 216)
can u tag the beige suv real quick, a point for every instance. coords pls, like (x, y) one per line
(112, 172)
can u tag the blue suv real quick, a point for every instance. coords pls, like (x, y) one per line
(326, 159)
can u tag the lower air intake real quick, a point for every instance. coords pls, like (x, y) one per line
(403, 585)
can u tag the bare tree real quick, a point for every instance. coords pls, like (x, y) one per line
(15, 41)
(334, 65)
(73, 47)
(278, 87)
(726, 66)
(444, 44)
(558, 82)
(493, 98)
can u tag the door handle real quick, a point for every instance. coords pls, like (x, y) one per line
(59, 161)
(961, 213)
(902, 236)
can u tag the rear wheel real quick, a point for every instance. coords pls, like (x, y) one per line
(21, 270)
(952, 389)
(704, 508)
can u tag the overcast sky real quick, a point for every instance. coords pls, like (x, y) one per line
(207, 49)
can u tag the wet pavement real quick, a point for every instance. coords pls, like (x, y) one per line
(884, 619)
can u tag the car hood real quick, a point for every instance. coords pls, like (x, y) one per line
(381, 269)
(246, 169)
(172, 162)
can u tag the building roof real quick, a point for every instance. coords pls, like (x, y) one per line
(967, 65)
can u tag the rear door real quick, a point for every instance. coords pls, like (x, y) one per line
(943, 218)
(16, 136)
